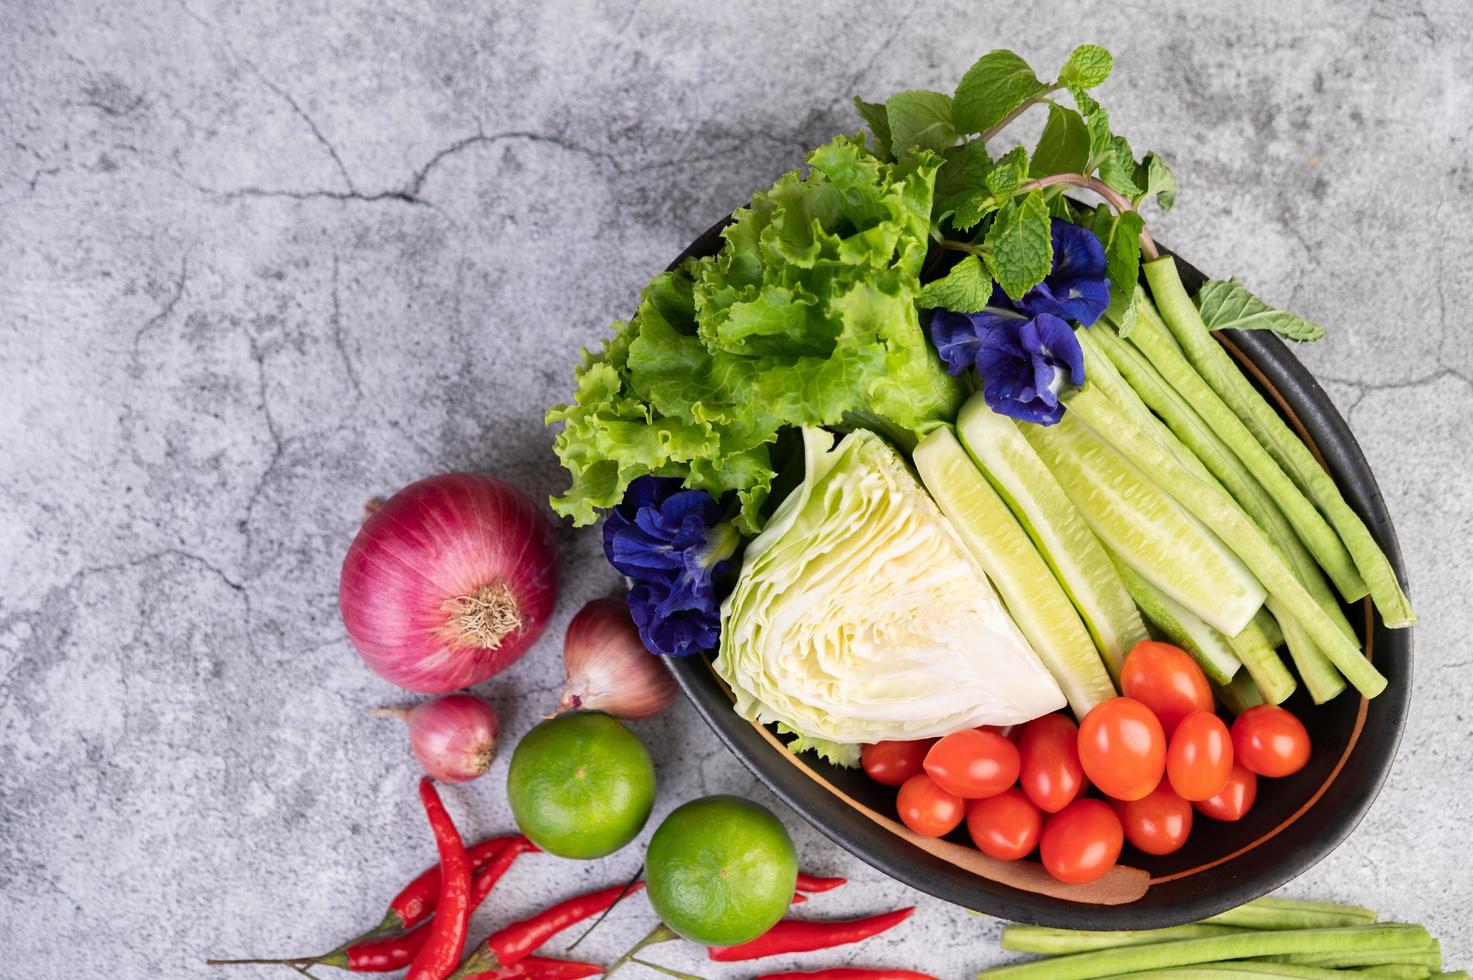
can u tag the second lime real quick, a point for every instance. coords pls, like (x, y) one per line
(721, 870)
(580, 785)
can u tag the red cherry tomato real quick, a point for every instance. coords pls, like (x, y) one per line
(1122, 748)
(892, 763)
(1200, 756)
(927, 808)
(972, 764)
(1005, 826)
(1081, 842)
(1159, 823)
(1167, 680)
(1235, 799)
(1009, 732)
(1048, 751)
(1270, 741)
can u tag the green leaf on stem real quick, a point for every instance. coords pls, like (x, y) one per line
(963, 176)
(1019, 247)
(1155, 179)
(1118, 167)
(1088, 65)
(1120, 234)
(966, 288)
(999, 84)
(999, 184)
(1227, 305)
(1064, 146)
(877, 118)
(919, 119)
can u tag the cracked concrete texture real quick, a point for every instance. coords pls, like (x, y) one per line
(260, 262)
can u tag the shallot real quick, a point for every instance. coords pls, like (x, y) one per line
(449, 582)
(453, 737)
(608, 667)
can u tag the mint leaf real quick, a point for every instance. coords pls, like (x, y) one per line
(1064, 146)
(1089, 65)
(1097, 121)
(1227, 305)
(1155, 179)
(965, 289)
(1120, 234)
(919, 119)
(1118, 168)
(1000, 183)
(1020, 250)
(1085, 103)
(992, 89)
(963, 175)
(878, 120)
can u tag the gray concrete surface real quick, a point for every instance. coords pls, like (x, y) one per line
(260, 261)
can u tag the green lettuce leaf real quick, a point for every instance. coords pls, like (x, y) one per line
(806, 317)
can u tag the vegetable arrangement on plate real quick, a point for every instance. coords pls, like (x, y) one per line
(930, 445)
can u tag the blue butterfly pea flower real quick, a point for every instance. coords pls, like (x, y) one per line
(1022, 361)
(674, 546)
(1076, 287)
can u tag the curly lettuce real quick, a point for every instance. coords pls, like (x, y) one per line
(806, 317)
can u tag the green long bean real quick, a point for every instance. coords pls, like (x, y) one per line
(1213, 949)
(1218, 369)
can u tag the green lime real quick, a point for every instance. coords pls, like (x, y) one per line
(580, 785)
(720, 870)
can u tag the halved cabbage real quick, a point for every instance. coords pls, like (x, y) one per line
(859, 616)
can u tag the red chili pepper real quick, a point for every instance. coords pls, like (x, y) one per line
(812, 883)
(849, 973)
(385, 955)
(799, 936)
(519, 940)
(546, 968)
(416, 900)
(446, 940)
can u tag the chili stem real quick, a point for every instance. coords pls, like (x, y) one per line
(659, 934)
(664, 969)
(605, 913)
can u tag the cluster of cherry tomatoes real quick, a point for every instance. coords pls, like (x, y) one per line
(1154, 754)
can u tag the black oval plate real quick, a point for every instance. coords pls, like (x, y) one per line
(1295, 822)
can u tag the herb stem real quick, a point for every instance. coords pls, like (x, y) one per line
(1114, 198)
(967, 247)
(1003, 123)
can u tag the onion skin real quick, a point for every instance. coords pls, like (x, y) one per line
(453, 737)
(608, 667)
(449, 582)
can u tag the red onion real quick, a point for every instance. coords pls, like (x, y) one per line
(608, 668)
(449, 582)
(454, 737)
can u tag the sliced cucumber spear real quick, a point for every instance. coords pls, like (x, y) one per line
(1218, 369)
(1063, 538)
(1240, 695)
(1199, 448)
(1207, 646)
(1145, 526)
(1028, 588)
(1183, 408)
(1224, 518)
(1103, 353)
